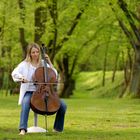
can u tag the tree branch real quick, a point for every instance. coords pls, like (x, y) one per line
(123, 6)
(72, 28)
(125, 30)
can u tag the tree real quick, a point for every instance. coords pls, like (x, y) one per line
(21, 29)
(133, 35)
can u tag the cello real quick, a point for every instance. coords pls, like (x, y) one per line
(45, 100)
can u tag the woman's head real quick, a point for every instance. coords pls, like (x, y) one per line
(33, 53)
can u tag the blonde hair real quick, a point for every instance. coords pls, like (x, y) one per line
(29, 48)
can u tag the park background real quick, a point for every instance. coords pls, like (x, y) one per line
(95, 46)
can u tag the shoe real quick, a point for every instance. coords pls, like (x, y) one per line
(22, 132)
(56, 131)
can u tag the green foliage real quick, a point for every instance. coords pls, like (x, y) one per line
(96, 30)
(97, 14)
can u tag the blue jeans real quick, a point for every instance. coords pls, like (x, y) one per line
(59, 119)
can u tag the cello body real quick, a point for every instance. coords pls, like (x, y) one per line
(45, 100)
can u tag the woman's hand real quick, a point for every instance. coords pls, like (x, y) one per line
(46, 56)
(23, 80)
(49, 61)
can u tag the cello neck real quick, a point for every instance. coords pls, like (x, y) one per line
(45, 63)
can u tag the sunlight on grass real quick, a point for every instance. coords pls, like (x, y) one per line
(88, 117)
(85, 119)
(89, 84)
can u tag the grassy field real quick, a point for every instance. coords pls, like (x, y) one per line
(88, 117)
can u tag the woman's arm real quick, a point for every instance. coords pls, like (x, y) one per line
(51, 65)
(17, 73)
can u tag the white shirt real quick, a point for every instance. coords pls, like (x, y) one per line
(26, 70)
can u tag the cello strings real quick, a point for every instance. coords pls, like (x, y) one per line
(43, 83)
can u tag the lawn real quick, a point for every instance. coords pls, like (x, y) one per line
(86, 119)
(93, 113)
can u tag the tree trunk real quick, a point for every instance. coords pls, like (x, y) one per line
(21, 30)
(104, 67)
(65, 74)
(134, 39)
(23, 41)
(40, 21)
(115, 67)
(65, 89)
(105, 60)
(135, 42)
(127, 74)
(69, 86)
(135, 80)
(53, 42)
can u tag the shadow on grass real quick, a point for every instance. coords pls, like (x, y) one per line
(69, 134)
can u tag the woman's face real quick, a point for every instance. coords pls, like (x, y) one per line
(34, 54)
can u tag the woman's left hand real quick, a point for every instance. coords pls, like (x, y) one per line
(46, 56)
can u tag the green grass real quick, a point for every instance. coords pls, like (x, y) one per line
(88, 117)
(97, 119)
(89, 84)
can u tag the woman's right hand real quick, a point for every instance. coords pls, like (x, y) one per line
(23, 80)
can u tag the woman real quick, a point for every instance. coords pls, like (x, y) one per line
(24, 73)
